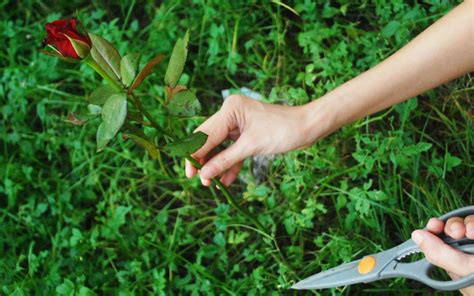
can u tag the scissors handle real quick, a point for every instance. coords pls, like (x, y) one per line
(461, 212)
(421, 270)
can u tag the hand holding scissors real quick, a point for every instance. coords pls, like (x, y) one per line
(457, 264)
(388, 264)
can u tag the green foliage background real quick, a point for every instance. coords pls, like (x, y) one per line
(75, 222)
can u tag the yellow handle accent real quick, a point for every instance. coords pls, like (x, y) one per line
(366, 265)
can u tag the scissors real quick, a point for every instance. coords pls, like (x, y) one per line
(387, 264)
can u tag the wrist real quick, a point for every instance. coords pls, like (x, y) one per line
(320, 117)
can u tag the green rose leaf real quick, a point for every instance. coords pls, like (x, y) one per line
(129, 67)
(186, 146)
(184, 103)
(114, 111)
(101, 94)
(103, 136)
(106, 56)
(113, 114)
(146, 71)
(94, 109)
(177, 60)
(145, 143)
(80, 47)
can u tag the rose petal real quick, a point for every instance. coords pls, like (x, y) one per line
(57, 30)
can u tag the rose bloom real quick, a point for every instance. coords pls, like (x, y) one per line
(59, 34)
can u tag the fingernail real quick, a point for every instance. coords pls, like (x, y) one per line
(432, 221)
(206, 172)
(456, 226)
(470, 227)
(417, 237)
(187, 171)
(205, 181)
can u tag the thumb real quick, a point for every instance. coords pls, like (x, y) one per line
(442, 255)
(225, 159)
(217, 127)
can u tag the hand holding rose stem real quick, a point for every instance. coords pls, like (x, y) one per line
(70, 45)
(444, 51)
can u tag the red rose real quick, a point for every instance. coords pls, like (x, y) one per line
(63, 36)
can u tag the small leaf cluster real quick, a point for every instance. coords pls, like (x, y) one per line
(111, 101)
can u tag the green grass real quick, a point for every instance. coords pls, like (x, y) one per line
(74, 221)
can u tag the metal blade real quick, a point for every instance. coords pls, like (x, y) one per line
(342, 275)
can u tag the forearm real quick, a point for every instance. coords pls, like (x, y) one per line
(441, 53)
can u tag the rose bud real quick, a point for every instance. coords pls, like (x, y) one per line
(64, 38)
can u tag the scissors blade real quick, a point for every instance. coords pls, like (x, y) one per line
(345, 274)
